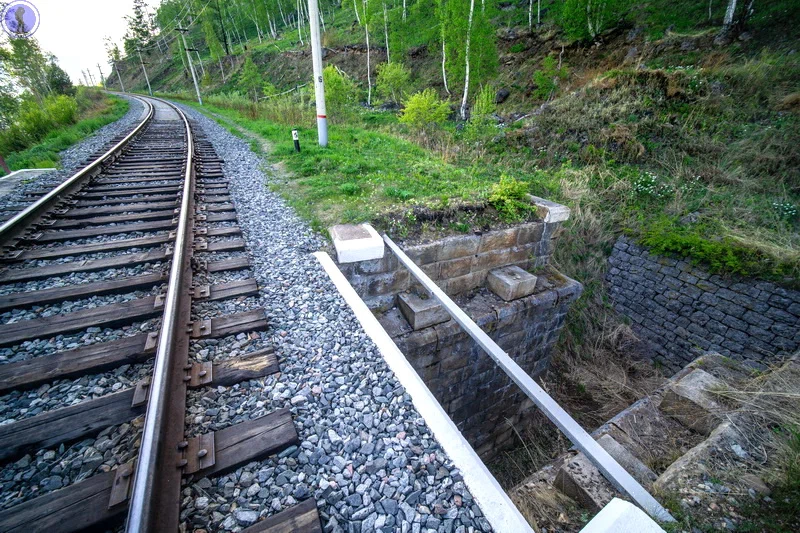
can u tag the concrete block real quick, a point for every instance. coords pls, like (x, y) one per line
(620, 516)
(356, 242)
(498, 240)
(690, 401)
(460, 246)
(628, 461)
(549, 211)
(421, 313)
(511, 283)
(582, 481)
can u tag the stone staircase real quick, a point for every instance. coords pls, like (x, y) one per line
(698, 424)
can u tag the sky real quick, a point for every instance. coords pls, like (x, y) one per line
(73, 30)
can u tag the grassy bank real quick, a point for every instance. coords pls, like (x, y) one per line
(97, 111)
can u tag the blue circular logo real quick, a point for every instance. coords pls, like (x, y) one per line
(20, 19)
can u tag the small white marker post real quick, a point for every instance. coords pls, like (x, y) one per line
(319, 86)
(296, 139)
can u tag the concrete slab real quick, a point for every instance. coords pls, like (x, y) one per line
(582, 481)
(11, 182)
(549, 211)
(355, 243)
(628, 461)
(511, 283)
(690, 401)
(421, 313)
(620, 516)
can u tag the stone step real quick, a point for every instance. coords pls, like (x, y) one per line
(692, 401)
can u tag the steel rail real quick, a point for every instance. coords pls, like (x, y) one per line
(150, 466)
(609, 467)
(14, 227)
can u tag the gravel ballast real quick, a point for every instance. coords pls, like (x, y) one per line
(365, 454)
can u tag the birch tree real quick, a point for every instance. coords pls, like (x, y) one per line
(466, 61)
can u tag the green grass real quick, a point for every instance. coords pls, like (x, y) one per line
(46, 153)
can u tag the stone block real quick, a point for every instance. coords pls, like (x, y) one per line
(549, 211)
(455, 267)
(582, 481)
(628, 461)
(620, 516)
(511, 283)
(463, 283)
(530, 233)
(421, 313)
(460, 246)
(690, 401)
(498, 240)
(424, 254)
(356, 243)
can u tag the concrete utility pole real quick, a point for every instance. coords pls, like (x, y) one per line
(319, 86)
(102, 78)
(149, 90)
(114, 67)
(191, 65)
(91, 78)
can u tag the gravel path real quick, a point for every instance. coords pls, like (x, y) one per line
(365, 454)
(72, 159)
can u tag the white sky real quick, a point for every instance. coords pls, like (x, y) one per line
(73, 30)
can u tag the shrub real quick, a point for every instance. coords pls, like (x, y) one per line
(509, 197)
(340, 90)
(484, 103)
(350, 189)
(62, 109)
(35, 121)
(547, 78)
(424, 109)
(393, 81)
(13, 139)
(250, 79)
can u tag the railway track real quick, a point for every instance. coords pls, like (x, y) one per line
(109, 284)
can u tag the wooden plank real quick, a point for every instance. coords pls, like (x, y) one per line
(233, 263)
(254, 320)
(20, 300)
(78, 249)
(102, 211)
(74, 508)
(123, 260)
(226, 246)
(72, 363)
(221, 232)
(66, 425)
(216, 208)
(232, 289)
(90, 192)
(176, 177)
(250, 441)
(221, 217)
(66, 235)
(112, 219)
(125, 200)
(300, 518)
(249, 366)
(103, 316)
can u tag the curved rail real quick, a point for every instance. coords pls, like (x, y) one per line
(14, 227)
(142, 512)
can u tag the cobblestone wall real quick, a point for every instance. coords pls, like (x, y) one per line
(480, 398)
(682, 311)
(458, 264)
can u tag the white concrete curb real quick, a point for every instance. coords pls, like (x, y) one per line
(495, 504)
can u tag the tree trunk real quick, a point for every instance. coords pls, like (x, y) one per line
(369, 77)
(386, 31)
(200, 61)
(355, 8)
(444, 72)
(466, 62)
(728, 21)
(405, 11)
(538, 12)
(221, 70)
(299, 29)
(530, 15)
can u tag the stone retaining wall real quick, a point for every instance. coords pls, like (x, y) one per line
(480, 398)
(458, 264)
(682, 311)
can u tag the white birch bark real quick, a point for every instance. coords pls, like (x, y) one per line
(466, 62)
(405, 11)
(369, 77)
(355, 8)
(444, 72)
(221, 70)
(299, 28)
(729, 12)
(386, 32)
(538, 11)
(530, 15)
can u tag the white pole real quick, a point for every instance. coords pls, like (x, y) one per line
(101, 76)
(319, 86)
(114, 65)
(191, 66)
(145, 72)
